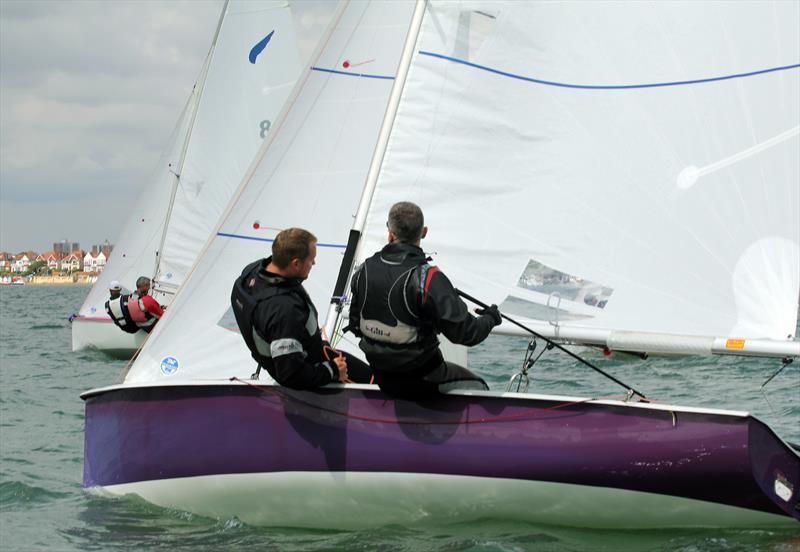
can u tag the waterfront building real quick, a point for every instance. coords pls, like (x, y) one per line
(22, 261)
(73, 261)
(94, 261)
(51, 258)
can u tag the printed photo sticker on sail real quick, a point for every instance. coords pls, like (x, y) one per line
(542, 278)
(563, 296)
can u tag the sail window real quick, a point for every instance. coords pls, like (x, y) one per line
(537, 311)
(541, 278)
(473, 28)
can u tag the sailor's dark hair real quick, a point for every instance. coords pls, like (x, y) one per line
(141, 281)
(406, 222)
(292, 243)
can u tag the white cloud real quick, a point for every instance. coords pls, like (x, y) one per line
(89, 93)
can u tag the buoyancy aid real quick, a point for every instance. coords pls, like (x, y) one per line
(250, 297)
(120, 314)
(143, 319)
(392, 290)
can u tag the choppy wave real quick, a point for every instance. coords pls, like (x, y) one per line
(16, 494)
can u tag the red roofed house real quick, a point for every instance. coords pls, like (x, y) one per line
(5, 261)
(23, 260)
(73, 261)
(51, 258)
(94, 261)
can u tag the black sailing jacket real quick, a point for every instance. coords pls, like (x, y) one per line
(279, 325)
(400, 303)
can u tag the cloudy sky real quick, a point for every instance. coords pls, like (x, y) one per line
(89, 93)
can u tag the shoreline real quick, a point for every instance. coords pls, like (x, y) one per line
(53, 281)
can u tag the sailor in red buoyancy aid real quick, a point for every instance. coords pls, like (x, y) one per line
(134, 312)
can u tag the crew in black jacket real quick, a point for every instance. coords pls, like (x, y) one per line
(279, 322)
(399, 305)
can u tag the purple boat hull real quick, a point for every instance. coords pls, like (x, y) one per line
(137, 434)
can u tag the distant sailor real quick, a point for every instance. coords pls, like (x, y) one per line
(134, 312)
(145, 311)
(114, 289)
(117, 308)
(279, 322)
(399, 305)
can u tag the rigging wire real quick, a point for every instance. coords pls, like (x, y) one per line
(631, 390)
(786, 361)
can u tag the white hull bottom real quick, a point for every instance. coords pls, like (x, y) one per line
(364, 499)
(105, 336)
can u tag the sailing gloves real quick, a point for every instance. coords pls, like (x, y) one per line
(493, 312)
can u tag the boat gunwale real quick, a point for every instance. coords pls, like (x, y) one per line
(457, 392)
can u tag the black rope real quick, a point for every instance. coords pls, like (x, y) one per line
(554, 344)
(784, 363)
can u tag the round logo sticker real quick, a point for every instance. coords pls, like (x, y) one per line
(169, 365)
(93, 310)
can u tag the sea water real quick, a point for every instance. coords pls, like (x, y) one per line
(44, 507)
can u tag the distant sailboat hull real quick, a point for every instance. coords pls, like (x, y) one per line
(353, 457)
(103, 335)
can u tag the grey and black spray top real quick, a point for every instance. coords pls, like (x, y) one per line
(279, 324)
(400, 303)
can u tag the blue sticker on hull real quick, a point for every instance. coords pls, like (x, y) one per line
(169, 365)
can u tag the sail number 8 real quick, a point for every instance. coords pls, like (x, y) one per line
(265, 124)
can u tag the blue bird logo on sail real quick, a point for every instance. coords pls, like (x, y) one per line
(259, 47)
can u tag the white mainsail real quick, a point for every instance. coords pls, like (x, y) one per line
(249, 71)
(310, 173)
(650, 192)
